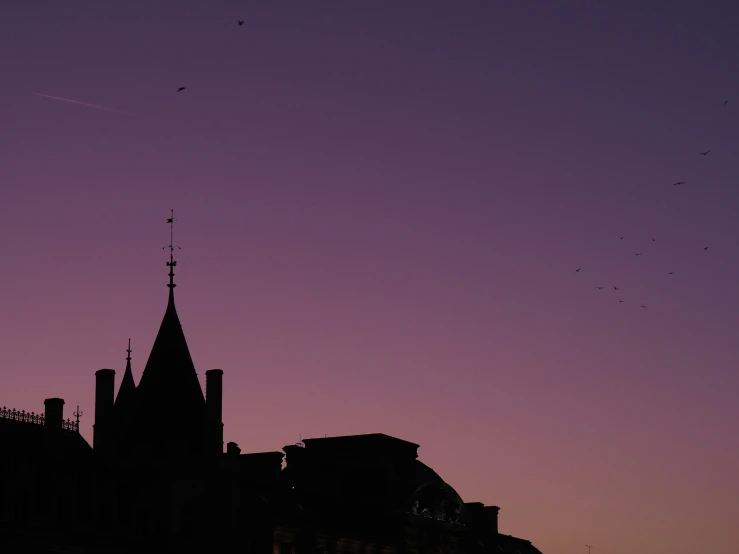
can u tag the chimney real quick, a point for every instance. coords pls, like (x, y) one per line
(491, 519)
(214, 407)
(483, 519)
(53, 412)
(104, 398)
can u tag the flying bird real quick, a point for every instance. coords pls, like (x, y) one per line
(726, 102)
(620, 301)
(615, 287)
(705, 248)
(654, 239)
(578, 269)
(670, 273)
(180, 89)
(599, 288)
(638, 253)
(704, 153)
(678, 183)
(622, 238)
(241, 22)
(643, 306)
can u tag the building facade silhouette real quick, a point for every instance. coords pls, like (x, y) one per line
(157, 479)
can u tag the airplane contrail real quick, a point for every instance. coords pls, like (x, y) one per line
(82, 103)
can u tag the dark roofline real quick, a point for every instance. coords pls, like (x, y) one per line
(362, 443)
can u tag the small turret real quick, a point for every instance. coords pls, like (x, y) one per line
(127, 389)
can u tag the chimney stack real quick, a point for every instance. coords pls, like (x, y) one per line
(104, 398)
(483, 519)
(491, 518)
(53, 412)
(214, 407)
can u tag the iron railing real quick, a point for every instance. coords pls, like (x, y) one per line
(34, 418)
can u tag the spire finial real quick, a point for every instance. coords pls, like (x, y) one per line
(171, 263)
(128, 358)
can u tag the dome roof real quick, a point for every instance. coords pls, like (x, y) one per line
(369, 472)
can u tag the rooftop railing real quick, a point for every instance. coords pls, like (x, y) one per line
(34, 418)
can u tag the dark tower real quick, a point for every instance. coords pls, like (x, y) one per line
(104, 392)
(214, 408)
(167, 417)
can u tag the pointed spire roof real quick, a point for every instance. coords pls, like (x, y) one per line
(169, 375)
(127, 389)
(169, 384)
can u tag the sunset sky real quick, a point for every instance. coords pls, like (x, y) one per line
(381, 207)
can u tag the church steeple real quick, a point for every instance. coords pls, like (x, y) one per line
(166, 414)
(169, 384)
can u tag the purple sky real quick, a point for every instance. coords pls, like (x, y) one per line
(381, 207)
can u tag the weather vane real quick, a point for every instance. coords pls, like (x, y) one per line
(128, 350)
(171, 263)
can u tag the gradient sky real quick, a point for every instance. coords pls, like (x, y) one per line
(381, 207)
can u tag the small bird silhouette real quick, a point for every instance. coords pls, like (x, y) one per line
(620, 301)
(241, 22)
(578, 269)
(704, 153)
(638, 253)
(622, 238)
(615, 287)
(653, 239)
(726, 102)
(678, 183)
(180, 89)
(599, 288)
(670, 273)
(643, 306)
(705, 248)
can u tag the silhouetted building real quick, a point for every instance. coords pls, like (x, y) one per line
(157, 479)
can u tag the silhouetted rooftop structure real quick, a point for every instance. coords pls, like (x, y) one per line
(157, 478)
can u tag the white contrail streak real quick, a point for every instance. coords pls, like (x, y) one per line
(82, 103)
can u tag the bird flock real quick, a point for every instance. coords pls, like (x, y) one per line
(616, 289)
(705, 153)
